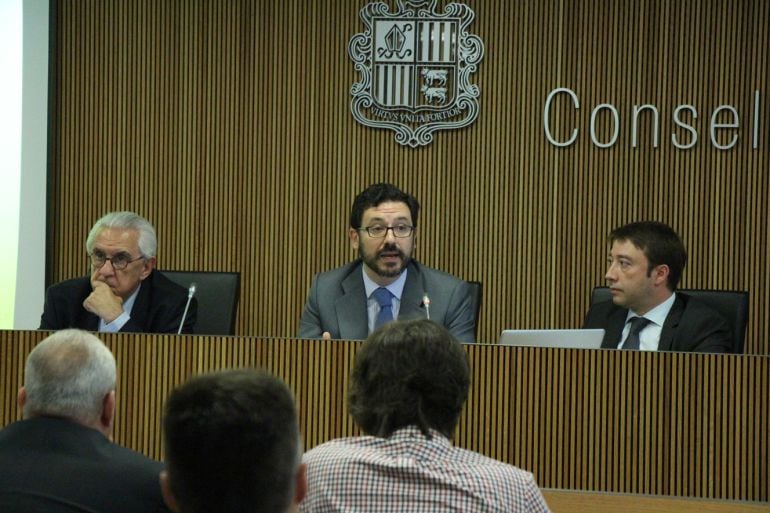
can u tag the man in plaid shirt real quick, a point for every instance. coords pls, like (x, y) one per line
(408, 387)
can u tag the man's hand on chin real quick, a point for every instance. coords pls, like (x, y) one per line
(103, 302)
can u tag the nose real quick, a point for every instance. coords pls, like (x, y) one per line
(107, 271)
(611, 275)
(390, 234)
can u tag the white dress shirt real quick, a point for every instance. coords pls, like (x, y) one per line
(649, 337)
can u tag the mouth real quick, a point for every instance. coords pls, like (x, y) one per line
(390, 253)
(390, 256)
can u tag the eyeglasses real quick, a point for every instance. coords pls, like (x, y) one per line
(380, 232)
(119, 261)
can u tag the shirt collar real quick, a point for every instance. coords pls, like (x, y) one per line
(658, 314)
(396, 288)
(411, 432)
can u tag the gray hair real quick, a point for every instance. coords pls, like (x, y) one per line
(148, 242)
(67, 375)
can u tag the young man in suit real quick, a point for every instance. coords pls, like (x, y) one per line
(385, 282)
(60, 458)
(645, 263)
(124, 291)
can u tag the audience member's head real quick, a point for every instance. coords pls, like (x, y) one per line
(71, 374)
(232, 445)
(409, 373)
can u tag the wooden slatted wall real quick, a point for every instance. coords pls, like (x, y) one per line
(227, 123)
(617, 421)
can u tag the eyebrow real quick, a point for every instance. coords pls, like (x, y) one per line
(382, 219)
(122, 251)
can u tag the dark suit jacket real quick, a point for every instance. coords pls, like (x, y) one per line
(337, 302)
(158, 307)
(690, 326)
(53, 465)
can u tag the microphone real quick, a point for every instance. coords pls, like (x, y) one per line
(426, 304)
(190, 294)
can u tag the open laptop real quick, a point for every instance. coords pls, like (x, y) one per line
(571, 339)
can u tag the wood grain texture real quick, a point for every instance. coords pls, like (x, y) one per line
(561, 501)
(613, 421)
(227, 123)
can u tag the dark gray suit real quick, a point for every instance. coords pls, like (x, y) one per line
(337, 302)
(690, 326)
(53, 465)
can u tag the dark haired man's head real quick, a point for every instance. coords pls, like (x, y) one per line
(409, 373)
(379, 193)
(232, 445)
(645, 264)
(383, 224)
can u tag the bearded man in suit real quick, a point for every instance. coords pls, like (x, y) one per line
(385, 282)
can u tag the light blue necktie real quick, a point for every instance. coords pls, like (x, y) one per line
(384, 299)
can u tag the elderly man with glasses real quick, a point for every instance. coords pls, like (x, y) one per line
(124, 291)
(385, 282)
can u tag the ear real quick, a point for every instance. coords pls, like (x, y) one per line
(660, 275)
(149, 265)
(354, 238)
(107, 418)
(165, 490)
(21, 398)
(301, 485)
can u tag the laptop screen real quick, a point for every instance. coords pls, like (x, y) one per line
(571, 339)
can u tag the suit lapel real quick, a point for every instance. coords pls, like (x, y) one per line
(670, 325)
(83, 318)
(411, 298)
(141, 309)
(616, 321)
(352, 316)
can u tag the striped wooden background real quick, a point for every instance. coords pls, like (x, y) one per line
(227, 123)
(697, 426)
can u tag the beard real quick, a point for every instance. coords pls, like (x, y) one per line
(385, 270)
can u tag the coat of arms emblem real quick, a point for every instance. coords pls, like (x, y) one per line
(415, 66)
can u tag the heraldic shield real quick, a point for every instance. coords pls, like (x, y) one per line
(415, 67)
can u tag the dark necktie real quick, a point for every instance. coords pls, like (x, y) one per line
(637, 325)
(384, 299)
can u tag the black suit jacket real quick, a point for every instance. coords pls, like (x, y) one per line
(690, 326)
(53, 465)
(158, 307)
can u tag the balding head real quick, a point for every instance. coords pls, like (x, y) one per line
(69, 374)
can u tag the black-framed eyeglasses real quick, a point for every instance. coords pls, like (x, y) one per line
(119, 261)
(378, 231)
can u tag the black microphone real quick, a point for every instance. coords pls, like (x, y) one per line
(426, 304)
(190, 294)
